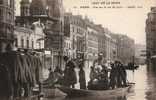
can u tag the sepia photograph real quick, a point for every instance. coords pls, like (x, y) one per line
(77, 50)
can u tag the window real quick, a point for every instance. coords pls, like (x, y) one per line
(1, 14)
(73, 28)
(39, 45)
(1, 1)
(9, 16)
(27, 43)
(22, 43)
(9, 2)
(16, 42)
(32, 44)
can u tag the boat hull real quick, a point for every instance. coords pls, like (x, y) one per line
(52, 93)
(109, 93)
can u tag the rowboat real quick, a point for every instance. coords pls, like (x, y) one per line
(71, 92)
(52, 92)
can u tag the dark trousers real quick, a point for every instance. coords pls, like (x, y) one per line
(82, 85)
(112, 83)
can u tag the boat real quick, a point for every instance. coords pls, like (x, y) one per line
(71, 92)
(52, 92)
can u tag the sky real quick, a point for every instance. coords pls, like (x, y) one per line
(123, 20)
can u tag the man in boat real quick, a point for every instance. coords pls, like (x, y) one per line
(82, 78)
(70, 78)
(121, 75)
(118, 67)
(113, 76)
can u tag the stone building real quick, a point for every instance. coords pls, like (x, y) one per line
(91, 42)
(112, 46)
(75, 29)
(151, 37)
(101, 41)
(25, 8)
(27, 38)
(140, 54)
(125, 48)
(6, 20)
(43, 11)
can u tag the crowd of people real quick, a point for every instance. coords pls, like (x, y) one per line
(101, 77)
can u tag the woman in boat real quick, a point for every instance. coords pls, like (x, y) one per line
(82, 78)
(92, 74)
(104, 77)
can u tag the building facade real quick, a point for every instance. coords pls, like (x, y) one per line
(110, 46)
(101, 41)
(140, 54)
(151, 37)
(6, 20)
(125, 48)
(75, 29)
(43, 11)
(25, 8)
(32, 39)
(91, 42)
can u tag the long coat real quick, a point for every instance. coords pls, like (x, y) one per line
(70, 74)
(82, 79)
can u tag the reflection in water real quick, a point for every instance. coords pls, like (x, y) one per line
(151, 81)
(145, 87)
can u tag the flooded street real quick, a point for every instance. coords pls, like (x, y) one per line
(145, 87)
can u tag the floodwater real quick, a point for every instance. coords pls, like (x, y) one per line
(145, 87)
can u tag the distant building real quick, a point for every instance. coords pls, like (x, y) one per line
(68, 51)
(75, 29)
(125, 48)
(6, 20)
(112, 46)
(101, 41)
(91, 42)
(140, 54)
(151, 37)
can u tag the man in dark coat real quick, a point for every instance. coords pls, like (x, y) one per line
(70, 78)
(123, 75)
(113, 74)
(82, 78)
(119, 81)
